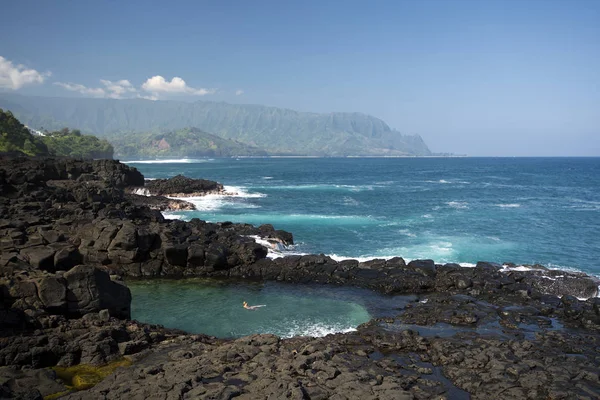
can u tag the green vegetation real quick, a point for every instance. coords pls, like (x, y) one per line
(276, 130)
(188, 142)
(15, 137)
(66, 143)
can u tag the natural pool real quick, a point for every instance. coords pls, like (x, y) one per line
(214, 307)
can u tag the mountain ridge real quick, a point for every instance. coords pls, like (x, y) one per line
(277, 130)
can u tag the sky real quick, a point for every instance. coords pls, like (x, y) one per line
(476, 77)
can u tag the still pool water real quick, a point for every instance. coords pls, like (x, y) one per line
(214, 307)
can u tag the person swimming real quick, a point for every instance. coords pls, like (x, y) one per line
(247, 307)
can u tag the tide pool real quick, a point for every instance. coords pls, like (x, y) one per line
(214, 307)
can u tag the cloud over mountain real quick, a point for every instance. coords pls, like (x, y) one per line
(158, 84)
(112, 90)
(16, 76)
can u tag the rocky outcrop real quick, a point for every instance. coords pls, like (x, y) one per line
(181, 186)
(29, 295)
(21, 170)
(160, 203)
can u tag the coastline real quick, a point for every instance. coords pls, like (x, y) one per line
(87, 235)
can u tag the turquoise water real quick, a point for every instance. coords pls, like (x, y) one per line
(215, 307)
(521, 210)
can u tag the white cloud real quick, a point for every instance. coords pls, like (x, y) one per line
(75, 87)
(117, 89)
(149, 97)
(157, 84)
(16, 76)
(113, 90)
(239, 92)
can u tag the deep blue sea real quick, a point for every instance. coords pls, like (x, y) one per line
(462, 210)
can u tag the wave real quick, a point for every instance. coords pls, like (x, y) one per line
(215, 203)
(509, 205)
(171, 161)
(385, 183)
(458, 204)
(349, 201)
(407, 232)
(240, 191)
(446, 182)
(584, 205)
(352, 188)
(233, 199)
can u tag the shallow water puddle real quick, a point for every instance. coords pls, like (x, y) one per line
(215, 307)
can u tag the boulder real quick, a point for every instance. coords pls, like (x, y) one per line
(41, 257)
(53, 293)
(90, 290)
(425, 267)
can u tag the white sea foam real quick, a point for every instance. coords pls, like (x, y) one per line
(349, 201)
(407, 232)
(267, 177)
(352, 188)
(172, 161)
(168, 215)
(142, 192)
(509, 205)
(519, 268)
(583, 205)
(458, 204)
(446, 182)
(239, 191)
(274, 249)
(315, 329)
(232, 198)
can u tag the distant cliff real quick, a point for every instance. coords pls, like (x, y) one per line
(275, 130)
(187, 142)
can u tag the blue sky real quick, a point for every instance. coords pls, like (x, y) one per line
(478, 77)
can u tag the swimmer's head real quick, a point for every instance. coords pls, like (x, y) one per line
(245, 303)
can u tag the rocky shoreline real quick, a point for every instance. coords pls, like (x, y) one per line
(71, 231)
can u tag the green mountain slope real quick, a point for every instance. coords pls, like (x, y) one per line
(66, 143)
(273, 129)
(187, 142)
(15, 137)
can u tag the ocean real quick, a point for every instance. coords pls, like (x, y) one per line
(459, 210)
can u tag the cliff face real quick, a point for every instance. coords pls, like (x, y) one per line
(272, 129)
